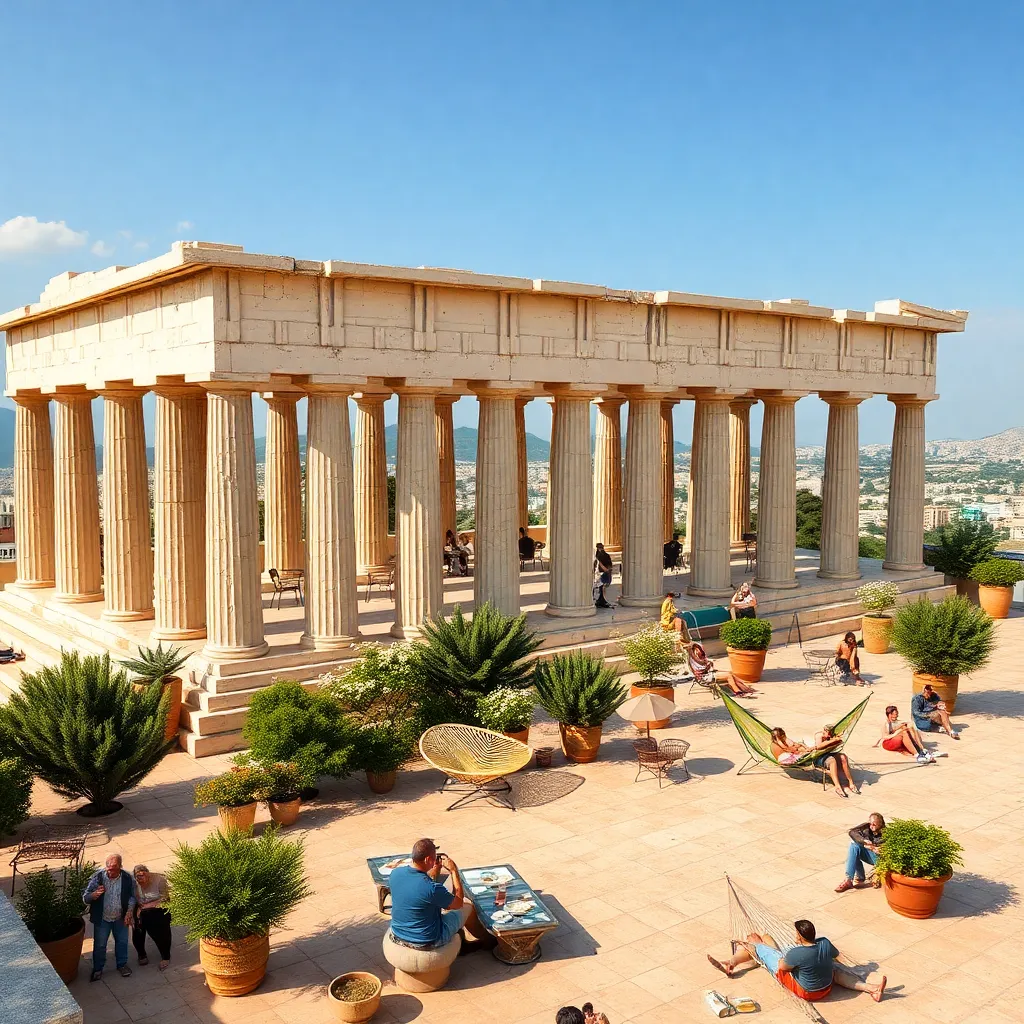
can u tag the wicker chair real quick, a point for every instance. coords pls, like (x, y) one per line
(657, 758)
(475, 761)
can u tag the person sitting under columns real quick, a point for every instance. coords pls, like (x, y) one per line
(847, 659)
(527, 546)
(603, 574)
(743, 604)
(455, 560)
(928, 709)
(670, 617)
(673, 549)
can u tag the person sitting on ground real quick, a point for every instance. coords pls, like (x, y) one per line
(670, 618)
(898, 736)
(9, 654)
(424, 913)
(527, 545)
(743, 604)
(788, 752)
(570, 1015)
(847, 660)
(603, 572)
(928, 709)
(806, 968)
(671, 552)
(865, 841)
(704, 671)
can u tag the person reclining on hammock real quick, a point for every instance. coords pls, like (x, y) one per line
(806, 969)
(788, 752)
(704, 671)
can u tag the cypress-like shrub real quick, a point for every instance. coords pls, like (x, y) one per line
(15, 793)
(948, 639)
(51, 910)
(578, 689)
(962, 545)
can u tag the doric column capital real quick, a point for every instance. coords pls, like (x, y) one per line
(611, 402)
(844, 397)
(284, 398)
(30, 399)
(741, 404)
(911, 401)
(575, 392)
(781, 397)
(369, 399)
(177, 391)
(522, 401)
(228, 387)
(497, 388)
(419, 386)
(120, 389)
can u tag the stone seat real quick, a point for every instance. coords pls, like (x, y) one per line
(421, 970)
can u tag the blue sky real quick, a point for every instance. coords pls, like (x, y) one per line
(841, 153)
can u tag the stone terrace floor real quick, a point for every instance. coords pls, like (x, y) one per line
(635, 874)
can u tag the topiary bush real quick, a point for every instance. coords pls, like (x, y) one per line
(578, 689)
(53, 910)
(918, 850)
(85, 730)
(998, 572)
(651, 653)
(962, 545)
(947, 639)
(15, 793)
(746, 634)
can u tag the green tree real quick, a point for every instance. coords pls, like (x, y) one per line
(871, 547)
(808, 520)
(391, 504)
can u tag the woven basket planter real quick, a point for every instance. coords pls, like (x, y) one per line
(234, 968)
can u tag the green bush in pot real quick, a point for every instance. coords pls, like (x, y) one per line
(917, 849)
(998, 572)
(746, 634)
(578, 689)
(506, 710)
(53, 909)
(651, 653)
(952, 638)
(962, 545)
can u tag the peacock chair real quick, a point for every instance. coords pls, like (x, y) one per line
(475, 761)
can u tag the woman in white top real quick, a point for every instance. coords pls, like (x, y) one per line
(152, 917)
(743, 604)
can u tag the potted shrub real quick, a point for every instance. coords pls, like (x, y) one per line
(996, 579)
(508, 711)
(876, 623)
(579, 692)
(916, 860)
(963, 545)
(355, 996)
(15, 793)
(282, 787)
(85, 731)
(942, 642)
(651, 653)
(746, 641)
(229, 892)
(380, 751)
(236, 794)
(158, 666)
(52, 912)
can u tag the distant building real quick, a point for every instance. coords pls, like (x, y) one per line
(936, 516)
(872, 517)
(1016, 527)
(7, 548)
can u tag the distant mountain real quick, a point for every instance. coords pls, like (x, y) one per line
(1001, 447)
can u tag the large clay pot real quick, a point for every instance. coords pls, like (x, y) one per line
(354, 1012)
(234, 968)
(964, 588)
(914, 897)
(995, 600)
(66, 954)
(746, 665)
(945, 686)
(580, 743)
(381, 782)
(667, 692)
(522, 735)
(242, 818)
(285, 812)
(172, 686)
(877, 631)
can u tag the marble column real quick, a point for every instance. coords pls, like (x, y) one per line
(522, 482)
(668, 470)
(370, 474)
(840, 490)
(608, 475)
(234, 602)
(776, 495)
(688, 538)
(446, 458)
(570, 489)
(904, 536)
(127, 541)
(332, 619)
(708, 528)
(78, 577)
(282, 485)
(419, 536)
(33, 489)
(179, 514)
(496, 572)
(643, 517)
(739, 469)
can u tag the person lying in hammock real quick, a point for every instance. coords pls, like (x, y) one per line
(704, 671)
(806, 968)
(788, 752)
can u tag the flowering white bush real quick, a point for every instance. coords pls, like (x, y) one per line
(879, 596)
(380, 688)
(506, 710)
(650, 652)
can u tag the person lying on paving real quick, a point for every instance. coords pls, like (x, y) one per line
(865, 841)
(788, 752)
(424, 914)
(704, 671)
(898, 736)
(806, 969)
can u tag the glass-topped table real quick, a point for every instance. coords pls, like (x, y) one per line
(380, 872)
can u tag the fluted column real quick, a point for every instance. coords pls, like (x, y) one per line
(739, 469)
(496, 575)
(446, 458)
(33, 489)
(78, 578)
(179, 514)
(904, 535)
(688, 538)
(643, 518)
(776, 495)
(234, 602)
(419, 536)
(668, 470)
(282, 485)
(522, 484)
(708, 528)
(127, 543)
(370, 474)
(840, 490)
(332, 619)
(570, 490)
(608, 475)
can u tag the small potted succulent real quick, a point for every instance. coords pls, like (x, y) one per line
(158, 666)
(916, 860)
(236, 794)
(996, 579)
(746, 641)
(381, 749)
(507, 710)
(53, 913)
(355, 996)
(877, 598)
(651, 653)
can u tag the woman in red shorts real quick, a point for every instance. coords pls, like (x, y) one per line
(902, 738)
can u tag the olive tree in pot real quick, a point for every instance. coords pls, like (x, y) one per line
(507, 711)
(52, 912)
(916, 860)
(746, 641)
(963, 545)
(580, 693)
(996, 579)
(941, 642)
(236, 794)
(877, 598)
(158, 666)
(651, 653)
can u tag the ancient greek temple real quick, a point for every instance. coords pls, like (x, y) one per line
(206, 326)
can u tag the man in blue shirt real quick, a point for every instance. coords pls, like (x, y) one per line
(927, 708)
(425, 914)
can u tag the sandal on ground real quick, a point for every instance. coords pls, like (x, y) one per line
(164, 964)
(839, 792)
(727, 971)
(125, 972)
(881, 989)
(143, 961)
(844, 886)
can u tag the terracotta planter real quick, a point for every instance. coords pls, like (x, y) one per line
(241, 818)
(173, 684)
(667, 692)
(580, 743)
(354, 1012)
(522, 735)
(746, 665)
(877, 631)
(914, 897)
(66, 954)
(234, 968)
(995, 600)
(945, 686)
(381, 782)
(285, 812)
(964, 588)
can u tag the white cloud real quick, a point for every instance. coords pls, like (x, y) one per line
(184, 225)
(101, 248)
(28, 234)
(141, 245)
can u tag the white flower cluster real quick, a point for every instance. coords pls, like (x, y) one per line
(506, 710)
(878, 596)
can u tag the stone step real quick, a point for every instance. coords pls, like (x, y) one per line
(207, 746)
(41, 639)
(210, 723)
(197, 697)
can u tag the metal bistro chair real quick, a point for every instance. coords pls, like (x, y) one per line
(537, 556)
(657, 758)
(383, 578)
(290, 583)
(750, 548)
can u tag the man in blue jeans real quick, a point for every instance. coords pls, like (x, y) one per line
(865, 841)
(110, 896)
(424, 914)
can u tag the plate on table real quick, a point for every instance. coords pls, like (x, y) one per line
(519, 908)
(492, 876)
(501, 917)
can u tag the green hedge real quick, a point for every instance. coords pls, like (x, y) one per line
(746, 634)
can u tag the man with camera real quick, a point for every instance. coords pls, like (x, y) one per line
(425, 914)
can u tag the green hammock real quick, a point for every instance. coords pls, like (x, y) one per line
(757, 737)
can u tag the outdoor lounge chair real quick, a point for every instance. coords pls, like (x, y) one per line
(703, 682)
(476, 761)
(757, 738)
